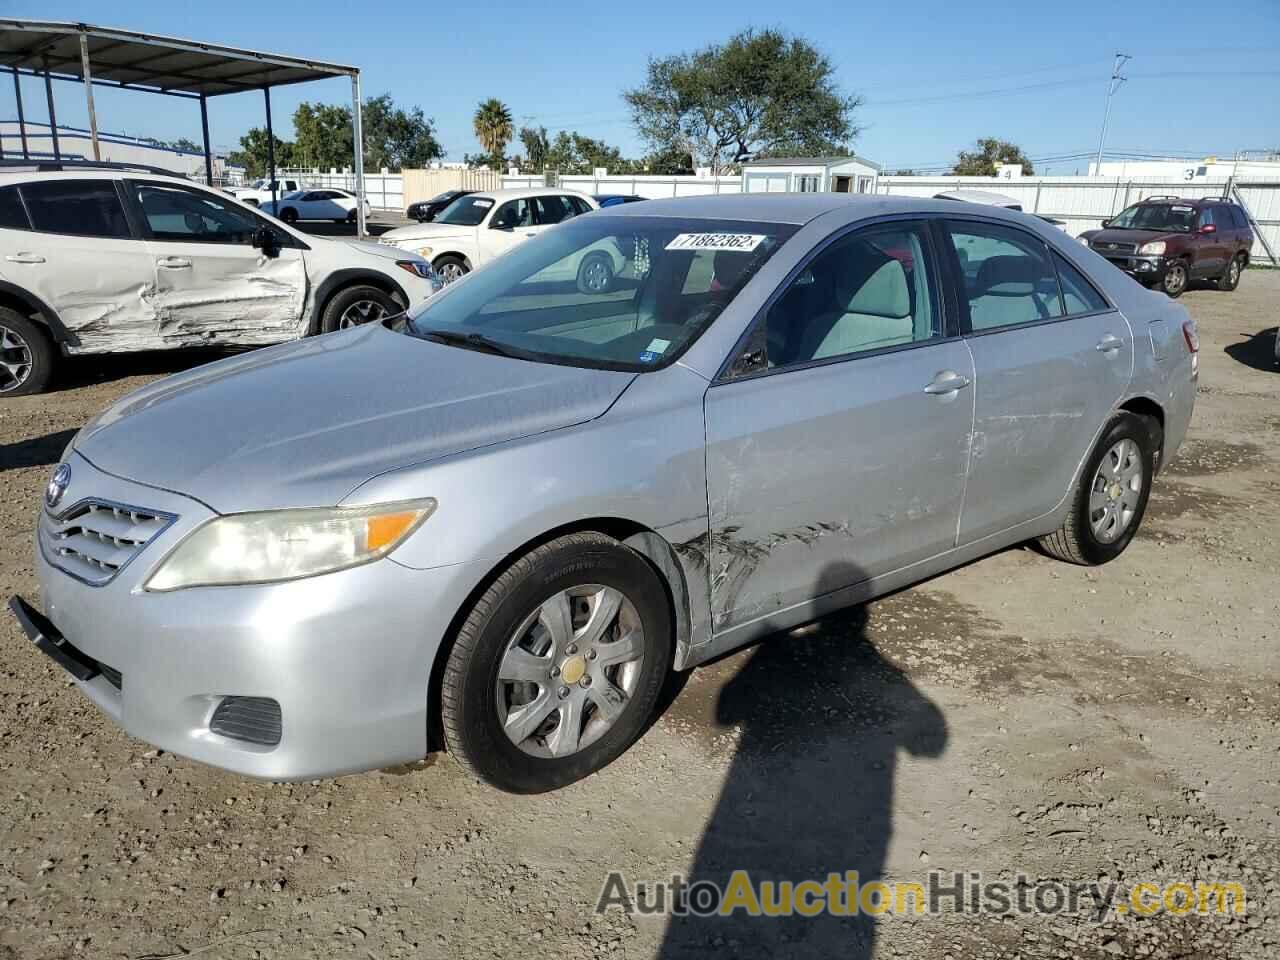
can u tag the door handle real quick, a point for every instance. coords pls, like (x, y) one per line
(946, 382)
(1109, 344)
(531, 234)
(25, 258)
(173, 263)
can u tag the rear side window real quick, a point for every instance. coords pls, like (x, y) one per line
(13, 215)
(1078, 294)
(1238, 218)
(1008, 279)
(553, 209)
(86, 208)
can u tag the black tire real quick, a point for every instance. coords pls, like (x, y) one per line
(27, 353)
(469, 692)
(1230, 278)
(450, 268)
(595, 273)
(1177, 277)
(289, 215)
(1075, 541)
(351, 297)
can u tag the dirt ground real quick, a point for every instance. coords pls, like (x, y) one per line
(1015, 716)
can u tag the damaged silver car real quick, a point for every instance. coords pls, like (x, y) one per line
(534, 500)
(100, 258)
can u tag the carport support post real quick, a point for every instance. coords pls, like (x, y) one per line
(204, 129)
(53, 116)
(88, 94)
(357, 132)
(271, 150)
(22, 119)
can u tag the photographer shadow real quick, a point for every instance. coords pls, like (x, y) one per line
(810, 792)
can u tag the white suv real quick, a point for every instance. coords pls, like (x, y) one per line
(99, 259)
(474, 229)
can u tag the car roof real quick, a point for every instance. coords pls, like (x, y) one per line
(516, 193)
(979, 196)
(20, 175)
(1185, 201)
(798, 208)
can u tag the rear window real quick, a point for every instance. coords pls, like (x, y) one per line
(85, 208)
(13, 216)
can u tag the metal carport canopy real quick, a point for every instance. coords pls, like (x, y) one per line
(149, 63)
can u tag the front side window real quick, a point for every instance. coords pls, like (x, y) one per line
(512, 214)
(86, 208)
(1207, 218)
(1165, 217)
(1007, 276)
(869, 290)
(175, 213)
(623, 293)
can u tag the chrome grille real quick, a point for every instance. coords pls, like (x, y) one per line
(95, 539)
(1111, 246)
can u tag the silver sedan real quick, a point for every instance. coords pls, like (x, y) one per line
(497, 525)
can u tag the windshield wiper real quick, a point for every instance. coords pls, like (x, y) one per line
(473, 341)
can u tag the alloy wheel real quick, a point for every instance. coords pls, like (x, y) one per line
(570, 670)
(596, 276)
(450, 272)
(1233, 273)
(1116, 491)
(1176, 279)
(361, 312)
(15, 360)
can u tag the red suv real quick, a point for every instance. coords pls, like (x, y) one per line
(1167, 242)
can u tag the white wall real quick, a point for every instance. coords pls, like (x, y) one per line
(74, 143)
(652, 187)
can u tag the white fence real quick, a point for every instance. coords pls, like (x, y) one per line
(651, 187)
(384, 191)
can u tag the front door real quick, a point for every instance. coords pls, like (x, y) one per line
(1052, 357)
(211, 284)
(837, 449)
(511, 224)
(82, 258)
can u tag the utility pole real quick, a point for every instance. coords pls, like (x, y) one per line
(1113, 84)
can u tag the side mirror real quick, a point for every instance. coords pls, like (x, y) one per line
(1105, 224)
(501, 226)
(1209, 228)
(265, 239)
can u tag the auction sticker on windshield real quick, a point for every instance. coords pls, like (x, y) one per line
(716, 241)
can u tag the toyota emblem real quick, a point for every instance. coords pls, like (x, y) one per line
(58, 484)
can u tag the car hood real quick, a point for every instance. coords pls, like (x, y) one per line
(426, 231)
(378, 250)
(1131, 236)
(304, 423)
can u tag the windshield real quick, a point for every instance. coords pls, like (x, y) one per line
(441, 197)
(466, 211)
(1170, 217)
(623, 293)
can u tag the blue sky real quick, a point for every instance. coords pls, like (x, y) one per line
(935, 76)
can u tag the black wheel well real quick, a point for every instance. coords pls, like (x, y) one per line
(32, 311)
(1146, 407)
(453, 256)
(616, 527)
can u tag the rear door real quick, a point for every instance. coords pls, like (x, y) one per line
(1052, 359)
(837, 446)
(87, 262)
(211, 284)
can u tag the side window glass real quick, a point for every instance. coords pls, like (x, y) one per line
(580, 205)
(515, 213)
(1206, 217)
(867, 291)
(1078, 294)
(86, 208)
(552, 209)
(13, 215)
(1007, 276)
(173, 213)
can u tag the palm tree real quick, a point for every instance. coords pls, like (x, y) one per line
(492, 124)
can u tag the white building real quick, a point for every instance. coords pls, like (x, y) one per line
(75, 144)
(850, 174)
(1259, 167)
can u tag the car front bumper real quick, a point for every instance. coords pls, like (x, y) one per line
(346, 656)
(1145, 269)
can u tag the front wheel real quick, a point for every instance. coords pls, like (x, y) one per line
(450, 268)
(558, 666)
(595, 274)
(26, 355)
(1111, 494)
(1175, 280)
(356, 306)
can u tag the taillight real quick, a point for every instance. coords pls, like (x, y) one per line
(1191, 336)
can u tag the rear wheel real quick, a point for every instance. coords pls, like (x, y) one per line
(1230, 278)
(26, 355)
(1175, 279)
(1111, 495)
(356, 306)
(451, 268)
(558, 666)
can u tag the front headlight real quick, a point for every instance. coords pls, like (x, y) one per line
(417, 267)
(288, 544)
(1084, 240)
(1153, 249)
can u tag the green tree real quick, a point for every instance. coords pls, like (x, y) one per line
(982, 161)
(571, 152)
(536, 148)
(759, 91)
(396, 138)
(492, 124)
(668, 161)
(252, 154)
(323, 137)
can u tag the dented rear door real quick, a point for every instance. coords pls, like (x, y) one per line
(212, 285)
